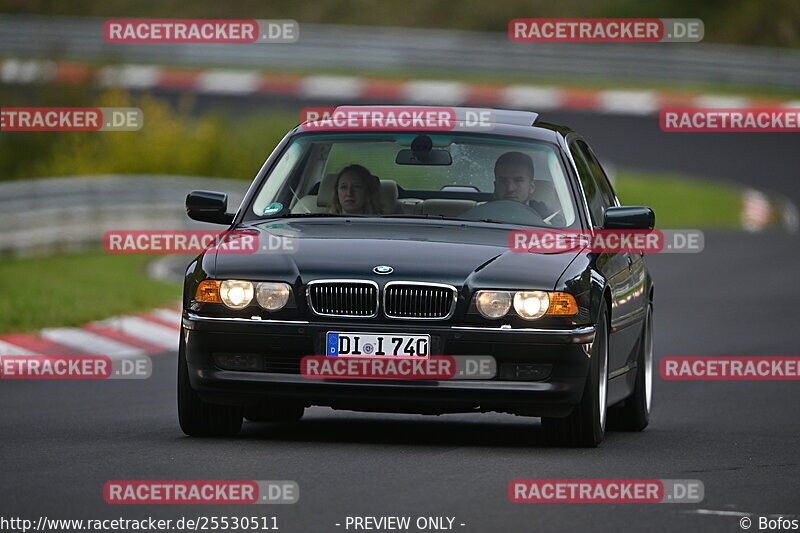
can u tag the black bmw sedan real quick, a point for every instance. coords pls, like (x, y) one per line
(393, 241)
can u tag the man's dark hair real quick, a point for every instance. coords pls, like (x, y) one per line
(516, 159)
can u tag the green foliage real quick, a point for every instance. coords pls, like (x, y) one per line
(172, 141)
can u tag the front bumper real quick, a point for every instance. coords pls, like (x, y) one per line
(560, 356)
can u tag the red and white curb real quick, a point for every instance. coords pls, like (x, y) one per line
(118, 337)
(351, 88)
(756, 210)
(761, 211)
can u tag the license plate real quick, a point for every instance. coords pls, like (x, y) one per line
(377, 345)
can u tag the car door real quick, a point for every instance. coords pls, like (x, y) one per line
(624, 271)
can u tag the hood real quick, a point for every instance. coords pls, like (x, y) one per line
(457, 253)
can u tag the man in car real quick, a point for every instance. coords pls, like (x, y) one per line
(513, 180)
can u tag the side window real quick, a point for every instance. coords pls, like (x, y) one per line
(270, 190)
(594, 196)
(598, 173)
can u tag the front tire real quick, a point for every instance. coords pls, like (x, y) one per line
(634, 414)
(198, 418)
(585, 426)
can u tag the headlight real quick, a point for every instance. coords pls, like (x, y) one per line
(272, 296)
(531, 304)
(236, 294)
(493, 304)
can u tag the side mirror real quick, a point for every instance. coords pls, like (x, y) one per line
(629, 217)
(208, 206)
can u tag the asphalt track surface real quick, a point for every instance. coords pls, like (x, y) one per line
(62, 440)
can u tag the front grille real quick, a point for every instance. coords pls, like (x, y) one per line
(343, 298)
(418, 300)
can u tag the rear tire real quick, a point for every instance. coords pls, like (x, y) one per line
(274, 412)
(198, 418)
(585, 426)
(634, 413)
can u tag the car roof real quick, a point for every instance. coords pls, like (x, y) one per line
(503, 122)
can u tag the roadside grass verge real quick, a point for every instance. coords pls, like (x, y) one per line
(681, 201)
(71, 290)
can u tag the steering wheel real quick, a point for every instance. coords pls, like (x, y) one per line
(507, 211)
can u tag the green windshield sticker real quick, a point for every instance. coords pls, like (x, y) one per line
(273, 208)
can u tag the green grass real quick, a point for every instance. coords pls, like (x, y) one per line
(72, 290)
(681, 201)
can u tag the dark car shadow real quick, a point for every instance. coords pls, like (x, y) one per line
(511, 432)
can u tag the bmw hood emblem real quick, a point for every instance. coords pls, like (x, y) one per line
(383, 269)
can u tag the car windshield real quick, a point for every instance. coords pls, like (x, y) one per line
(450, 176)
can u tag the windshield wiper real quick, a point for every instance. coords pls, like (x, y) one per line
(312, 215)
(442, 217)
(410, 215)
(337, 215)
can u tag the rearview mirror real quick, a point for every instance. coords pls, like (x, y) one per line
(431, 157)
(629, 217)
(208, 206)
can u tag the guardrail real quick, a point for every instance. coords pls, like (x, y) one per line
(408, 49)
(48, 215)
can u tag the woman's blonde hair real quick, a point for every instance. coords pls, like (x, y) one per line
(372, 184)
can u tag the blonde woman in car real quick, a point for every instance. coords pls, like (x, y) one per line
(356, 191)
